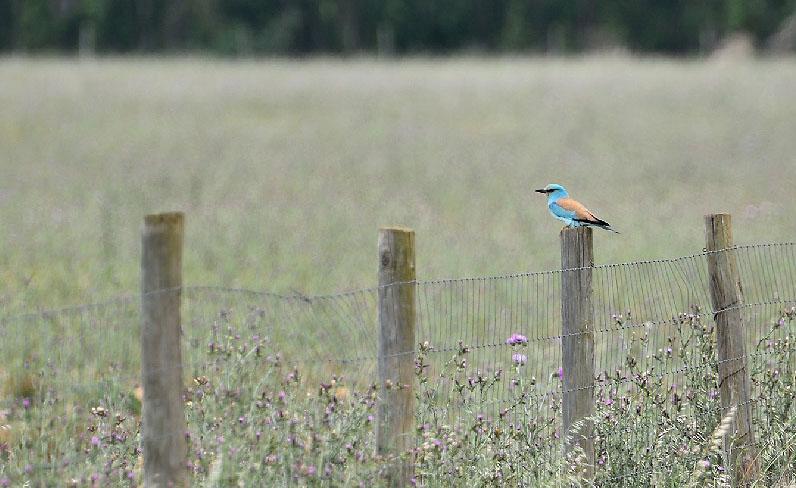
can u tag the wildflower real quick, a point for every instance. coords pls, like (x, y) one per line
(370, 418)
(26, 402)
(311, 470)
(560, 373)
(519, 359)
(282, 396)
(95, 441)
(516, 339)
(4, 482)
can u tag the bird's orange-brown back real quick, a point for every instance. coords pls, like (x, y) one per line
(581, 212)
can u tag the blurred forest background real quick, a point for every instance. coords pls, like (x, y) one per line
(298, 27)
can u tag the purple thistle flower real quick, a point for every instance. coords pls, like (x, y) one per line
(95, 441)
(560, 373)
(311, 471)
(516, 339)
(4, 482)
(26, 402)
(370, 418)
(519, 359)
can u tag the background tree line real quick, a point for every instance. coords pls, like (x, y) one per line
(298, 27)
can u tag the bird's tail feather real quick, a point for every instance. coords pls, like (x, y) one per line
(606, 226)
(596, 223)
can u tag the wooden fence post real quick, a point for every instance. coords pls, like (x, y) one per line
(395, 414)
(163, 427)
(577, 345)
(726, 297)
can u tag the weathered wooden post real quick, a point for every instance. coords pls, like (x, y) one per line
(577, 345)
(395, 414)
(734, 385)
(163, 428)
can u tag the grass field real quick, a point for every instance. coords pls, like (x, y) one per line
(286, 169)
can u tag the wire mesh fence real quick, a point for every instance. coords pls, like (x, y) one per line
(488, 365)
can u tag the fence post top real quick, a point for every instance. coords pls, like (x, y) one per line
(164, 218)
(396, 228)
(722, 215)
(575, 230)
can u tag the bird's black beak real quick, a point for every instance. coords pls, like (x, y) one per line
(541, 191)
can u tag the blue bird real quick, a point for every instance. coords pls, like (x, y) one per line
(569, 211)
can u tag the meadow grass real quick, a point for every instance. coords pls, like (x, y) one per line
(258, 417)
(287, 168)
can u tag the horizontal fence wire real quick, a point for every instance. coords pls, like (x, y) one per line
(488, 349)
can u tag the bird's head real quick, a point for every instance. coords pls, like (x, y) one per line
(554, 188)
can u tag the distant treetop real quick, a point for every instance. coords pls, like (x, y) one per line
(299, 27)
